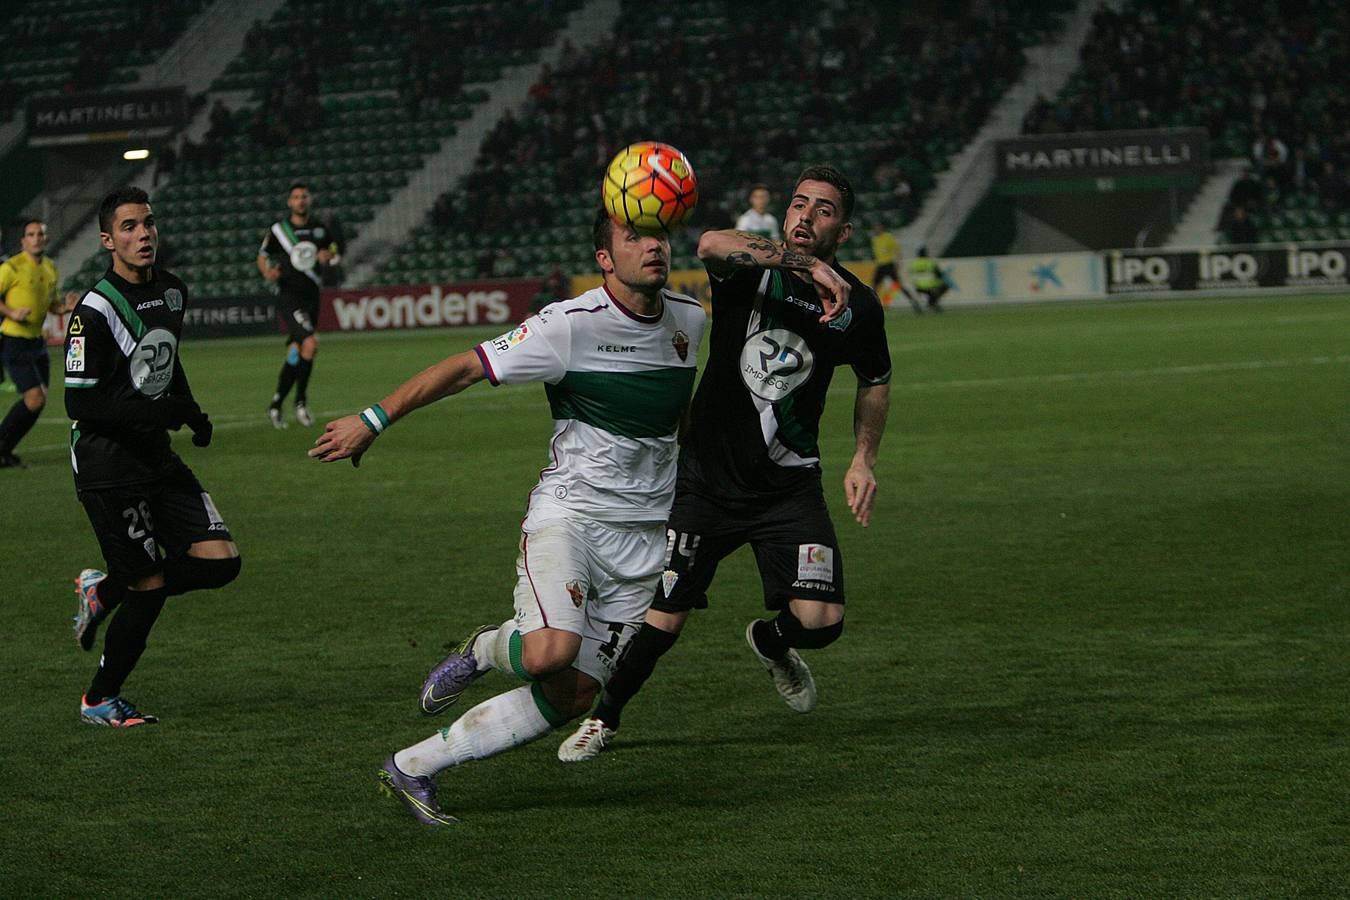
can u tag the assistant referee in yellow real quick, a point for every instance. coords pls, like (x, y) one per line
(27, 293)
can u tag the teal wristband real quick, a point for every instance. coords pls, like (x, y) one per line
(375, 418)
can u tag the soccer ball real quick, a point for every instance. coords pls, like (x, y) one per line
(651, 187)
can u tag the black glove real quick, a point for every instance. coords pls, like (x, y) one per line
(201, 430)
(174, 412)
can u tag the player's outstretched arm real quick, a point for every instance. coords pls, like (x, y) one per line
(722, 252)
(870, 409)
(351, 436)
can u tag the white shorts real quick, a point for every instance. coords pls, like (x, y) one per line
(590, 579)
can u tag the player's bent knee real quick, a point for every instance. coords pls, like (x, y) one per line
(191, 573)
(547, 652)
(816, 638)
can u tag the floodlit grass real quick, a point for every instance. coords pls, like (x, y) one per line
(1096, 644)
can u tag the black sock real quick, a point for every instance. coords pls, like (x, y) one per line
(284, 382)
(775, 637)
(190, 573)
(302, 371)
(635, 667)
(15, 425)
(124, 642)
(785, 631)
(111, 591)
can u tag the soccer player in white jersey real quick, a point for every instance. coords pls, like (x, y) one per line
(618, 363)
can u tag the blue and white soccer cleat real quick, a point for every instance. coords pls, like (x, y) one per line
(416, 792)
(116, 712)
(91, 610)
(452, 675)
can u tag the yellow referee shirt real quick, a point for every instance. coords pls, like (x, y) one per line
(25, 284)
(884, 248)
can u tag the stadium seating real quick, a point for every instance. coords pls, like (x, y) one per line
(1240, 71)
(375, 123)
(886, 101)
(83, 45)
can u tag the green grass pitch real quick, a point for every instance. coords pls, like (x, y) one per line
(1096, 643)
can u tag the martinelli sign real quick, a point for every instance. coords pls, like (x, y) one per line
(1103, 153)
(111, 116)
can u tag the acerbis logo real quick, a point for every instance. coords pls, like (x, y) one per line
(775, 363)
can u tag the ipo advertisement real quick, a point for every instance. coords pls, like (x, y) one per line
(1236, 268)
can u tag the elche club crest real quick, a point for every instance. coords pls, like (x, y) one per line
(173, 298)
(680, 341)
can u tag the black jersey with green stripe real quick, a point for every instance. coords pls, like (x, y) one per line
(124, 383)
(295, 248)
(756, 413)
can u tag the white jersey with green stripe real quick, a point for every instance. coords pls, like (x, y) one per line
(618, 384)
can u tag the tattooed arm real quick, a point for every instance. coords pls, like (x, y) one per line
(722, 252)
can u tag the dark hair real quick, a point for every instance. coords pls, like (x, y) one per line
(602, 231)
(759, 186)
(127, 193)
(831, 176)
(298, 184)
(35, 219)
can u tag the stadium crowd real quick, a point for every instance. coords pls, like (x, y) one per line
(1257, 78)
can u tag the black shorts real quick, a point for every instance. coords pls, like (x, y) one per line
(792, 538)
(884, 270)
(137, 525)
(26, 361)
(299, 316)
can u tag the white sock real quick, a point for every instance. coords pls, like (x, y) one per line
(493, 726)
(492, 649)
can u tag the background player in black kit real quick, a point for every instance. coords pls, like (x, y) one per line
(784, 316)
(125, 387)
(290, 256)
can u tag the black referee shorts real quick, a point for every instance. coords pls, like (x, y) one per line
(792, 538)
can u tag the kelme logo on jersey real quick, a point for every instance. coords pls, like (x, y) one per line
(304, 255)
(775, 363)
(152, 361)
(174, 298)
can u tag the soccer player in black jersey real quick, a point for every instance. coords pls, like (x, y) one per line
(290, 256)
(125, 388)
(784, 316)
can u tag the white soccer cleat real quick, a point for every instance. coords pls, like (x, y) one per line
(791, 677)
(591, 737)
(302, 415)
(276, 418)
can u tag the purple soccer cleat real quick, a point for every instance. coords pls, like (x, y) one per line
(416, 792)
(452, 675)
